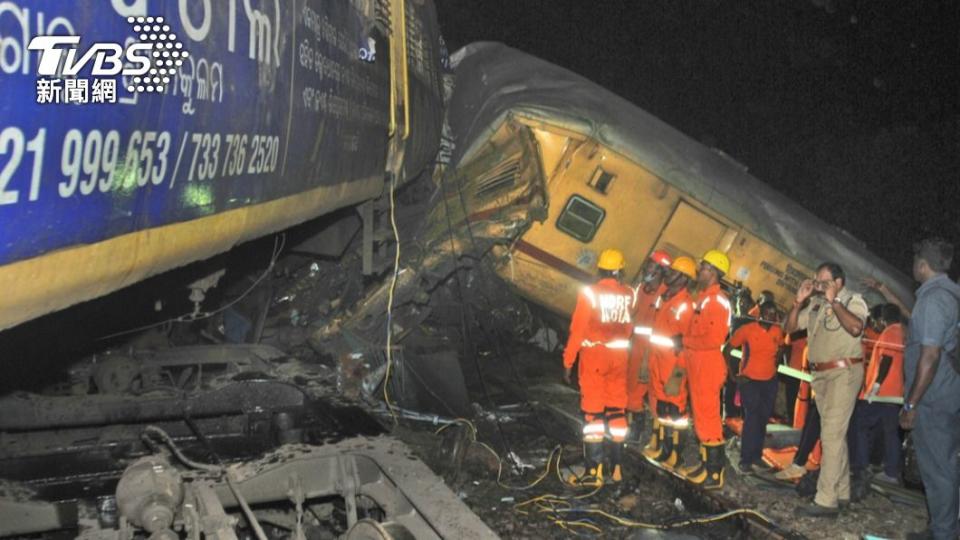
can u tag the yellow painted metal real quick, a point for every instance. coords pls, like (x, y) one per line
(760, 266)
(643, 212)
(691, 232)
(59, 279)
(404, 68)
(553, 146)
(634, 192)
(399, 73)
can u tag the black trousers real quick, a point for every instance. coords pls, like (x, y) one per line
(758, 399)
(809, 436)
(866, 417)
(791, 386)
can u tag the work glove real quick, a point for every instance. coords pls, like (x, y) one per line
(678, 343)
(568, 376)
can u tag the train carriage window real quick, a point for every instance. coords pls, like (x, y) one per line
(580, 218)
(601, 180)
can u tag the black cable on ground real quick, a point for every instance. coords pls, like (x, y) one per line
(465, 308)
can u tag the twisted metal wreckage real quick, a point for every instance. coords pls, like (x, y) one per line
(538, 170)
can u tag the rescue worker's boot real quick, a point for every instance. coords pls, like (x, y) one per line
(711, 477)
(652, 450)
(591, 472)
(697, 468)
(615, 457)
(666, 444)
(679, 443)
(636, 421)
(671, 456)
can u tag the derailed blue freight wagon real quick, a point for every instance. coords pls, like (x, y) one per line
(227, 120)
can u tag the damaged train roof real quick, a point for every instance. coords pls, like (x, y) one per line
(494, 80)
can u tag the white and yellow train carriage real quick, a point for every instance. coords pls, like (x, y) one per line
(607, 174)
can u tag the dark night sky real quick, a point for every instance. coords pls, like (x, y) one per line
(852, 107)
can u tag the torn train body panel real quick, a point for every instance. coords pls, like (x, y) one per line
(548, 169)
(618, 176)
(461, 227)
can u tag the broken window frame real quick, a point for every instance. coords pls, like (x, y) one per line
(598, 174)
(567, 212)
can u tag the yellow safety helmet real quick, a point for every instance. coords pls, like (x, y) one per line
(718, 260)
(686, 266)
(611, 259)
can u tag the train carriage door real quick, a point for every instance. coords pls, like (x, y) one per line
(692, 232)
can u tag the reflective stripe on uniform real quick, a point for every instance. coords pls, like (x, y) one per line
(662, 341)
(680, 310)
(593, 427)
(619, 432)
(643, 330)
(676, 423)
(723, 302)
(588, 292)
(615, 344)
(593, 431)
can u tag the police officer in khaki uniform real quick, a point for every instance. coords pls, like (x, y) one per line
(834, 318)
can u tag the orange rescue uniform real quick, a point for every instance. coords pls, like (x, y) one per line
(672, 317)
(797, 348)
(639, 357)
(705, 364)
(600, 332)
(888, 343)
(870, 337)
(804, 393)
(759, 361)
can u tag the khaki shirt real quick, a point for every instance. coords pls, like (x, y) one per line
(826, 338)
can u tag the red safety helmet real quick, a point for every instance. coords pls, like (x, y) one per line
(662, 258)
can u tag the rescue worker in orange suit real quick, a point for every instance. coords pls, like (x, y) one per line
(638, 364)
(759, 342)
(668, 371)
(707, 369)
(600, 333)
(883, 379)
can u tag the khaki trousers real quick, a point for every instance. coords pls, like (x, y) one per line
(836, 395)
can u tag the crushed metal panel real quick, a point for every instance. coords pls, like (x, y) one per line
(463, 224)
(494, 81)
